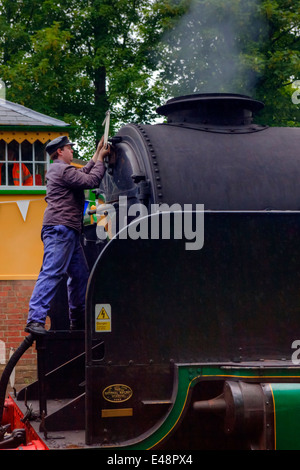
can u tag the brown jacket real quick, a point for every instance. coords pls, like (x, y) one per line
(65, 192)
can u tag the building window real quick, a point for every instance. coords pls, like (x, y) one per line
(22, 164)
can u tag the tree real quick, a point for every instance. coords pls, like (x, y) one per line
(76, 59)
(237, 46)
(281, 51)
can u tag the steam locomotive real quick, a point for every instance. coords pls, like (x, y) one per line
(192, 331)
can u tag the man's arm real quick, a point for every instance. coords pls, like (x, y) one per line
(98, 156)
(90, 175)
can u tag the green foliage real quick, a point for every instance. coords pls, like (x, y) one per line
(281, 51)
(75, 59)
(237, 46)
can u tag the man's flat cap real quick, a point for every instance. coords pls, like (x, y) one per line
(58, 143)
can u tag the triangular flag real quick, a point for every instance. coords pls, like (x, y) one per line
(23, 206)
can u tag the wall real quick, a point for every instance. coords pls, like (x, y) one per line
(21, 248)
(21, 254)
(14, 300)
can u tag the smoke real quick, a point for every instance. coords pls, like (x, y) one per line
(215, 48)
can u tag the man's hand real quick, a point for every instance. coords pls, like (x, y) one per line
(103, 152)
(99, 148)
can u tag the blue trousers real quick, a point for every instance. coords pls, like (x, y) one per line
(63, 254)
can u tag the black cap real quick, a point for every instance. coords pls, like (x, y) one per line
(57, 143)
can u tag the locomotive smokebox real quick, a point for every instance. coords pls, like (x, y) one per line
(211, 109)
(208, 152)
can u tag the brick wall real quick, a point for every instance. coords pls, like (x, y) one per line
(14, 300)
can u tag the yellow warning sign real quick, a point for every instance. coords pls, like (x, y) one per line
(103, 315)
(103, 318)
(103, 326)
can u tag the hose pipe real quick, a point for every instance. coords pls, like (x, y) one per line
(26, 344)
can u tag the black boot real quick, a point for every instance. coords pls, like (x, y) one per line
(35, 328)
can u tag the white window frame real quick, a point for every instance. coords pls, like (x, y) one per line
(32, 162)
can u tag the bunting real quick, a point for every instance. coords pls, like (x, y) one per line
(23, 205)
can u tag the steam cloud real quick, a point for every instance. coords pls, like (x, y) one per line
(214, 48)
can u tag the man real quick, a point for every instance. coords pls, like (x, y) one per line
(62, 225)
(14, 172)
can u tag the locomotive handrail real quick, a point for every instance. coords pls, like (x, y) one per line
(221, 129)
